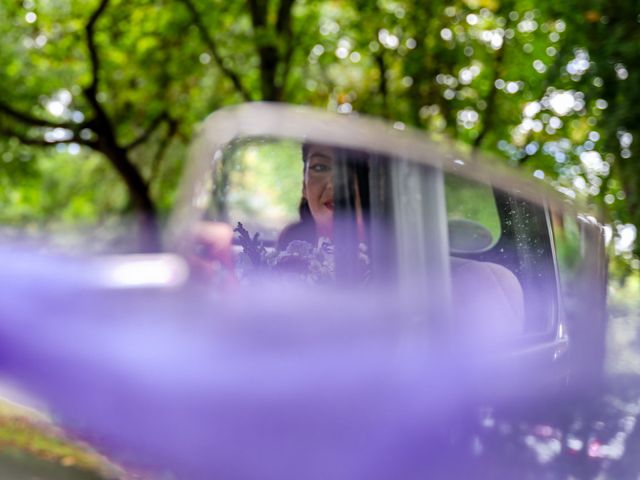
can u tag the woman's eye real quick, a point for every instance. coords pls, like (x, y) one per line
(319, 168)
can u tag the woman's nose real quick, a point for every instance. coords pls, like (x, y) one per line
(328, 187)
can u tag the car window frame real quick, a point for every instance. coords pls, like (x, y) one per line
(377, 137)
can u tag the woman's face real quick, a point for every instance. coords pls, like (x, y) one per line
(318, 188)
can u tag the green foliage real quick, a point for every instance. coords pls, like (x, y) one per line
(59, 189)
(265, 184)
(551, 87)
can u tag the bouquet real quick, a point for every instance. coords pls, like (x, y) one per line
(314, 264)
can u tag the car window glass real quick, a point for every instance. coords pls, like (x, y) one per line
(566, 232)
(568, 243)
(474, 223)
(258, 182)
(308, 218)
(504, 240)
(526, 249)
(499, 250)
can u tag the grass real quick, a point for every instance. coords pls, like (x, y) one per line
(32, 447)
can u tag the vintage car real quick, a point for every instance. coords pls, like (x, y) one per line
(491, 255)
(337, 297)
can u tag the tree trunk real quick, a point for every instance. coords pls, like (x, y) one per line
(268, 68)
(148, 230)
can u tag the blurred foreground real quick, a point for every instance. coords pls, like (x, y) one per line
(198, 398)
(32, 447)
(592, 438)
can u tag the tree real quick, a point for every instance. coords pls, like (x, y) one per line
(92, 126)
(548, 86)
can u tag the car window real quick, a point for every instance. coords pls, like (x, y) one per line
(568, 244)
(474, 223)
(508, 239)
(527, 230)
(391, 219)
(566, 233)
(281, 210)
(258, 183)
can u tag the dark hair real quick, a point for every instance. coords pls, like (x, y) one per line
(303, 208)
(305, 152)
(305, 211)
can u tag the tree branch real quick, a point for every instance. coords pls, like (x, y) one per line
(90, 92)
(41, 142)
(91, 45)
(285, 32)
(267, 49)
(283, 22)
(101, 123)
(36, 121)
(155, 123)
(383, 88)
(258, 10)
(286, 68)
(213, 48)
